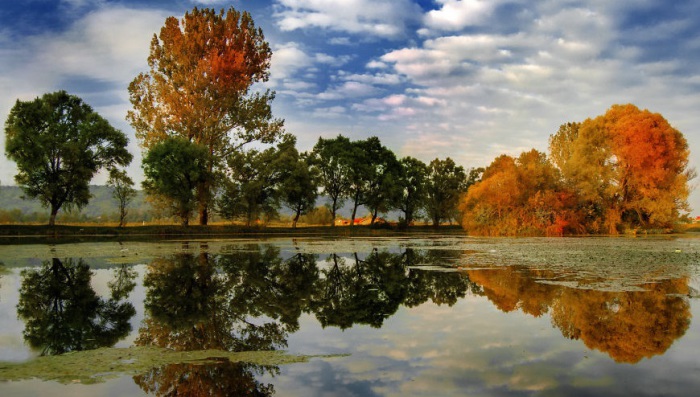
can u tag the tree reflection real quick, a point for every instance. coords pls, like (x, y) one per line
(370, 290)
(222, 378)
(627, 325)
(246, 300)
(63, 313)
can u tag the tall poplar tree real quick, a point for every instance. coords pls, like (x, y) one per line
(199, 88)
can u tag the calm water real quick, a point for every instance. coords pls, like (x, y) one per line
(419, 316)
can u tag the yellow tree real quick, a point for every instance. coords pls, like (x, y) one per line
(199, 88)
(628, 167)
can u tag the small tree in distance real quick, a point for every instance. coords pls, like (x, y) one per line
(122, 191)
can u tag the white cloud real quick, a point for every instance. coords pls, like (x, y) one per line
(455, 15)
(382, 18)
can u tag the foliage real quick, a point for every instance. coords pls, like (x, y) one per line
(518, 197)
(256, 184)
(628, 167)
(173, 169)
(446, 181)
(329, 157)
(298, 188)
(411, 181)
(59, 143)
(122, 191)
(317, 216)
(198, 87)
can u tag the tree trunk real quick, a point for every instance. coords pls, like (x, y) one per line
(52, 218)
(374, 217)
(354, 210)
(296, 219)
(204, 215)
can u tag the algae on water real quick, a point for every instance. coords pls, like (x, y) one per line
(95, 366)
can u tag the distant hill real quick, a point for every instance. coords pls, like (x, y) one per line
(102, 207)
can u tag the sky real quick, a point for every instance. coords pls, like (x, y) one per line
(465, 79)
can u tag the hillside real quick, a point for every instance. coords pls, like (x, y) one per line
(102, 207)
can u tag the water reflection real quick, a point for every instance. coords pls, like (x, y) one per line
(223, 378)
(63, 313)
(627, 325)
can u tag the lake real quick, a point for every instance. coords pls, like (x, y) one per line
(413, 315)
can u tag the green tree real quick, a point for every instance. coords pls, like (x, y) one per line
(411, 181)
(202, 69)
(122, 190)
(299, 189)
(254, 185)
(173, 169)
(330, 159)
(59, 143)
(382, 172)
(446, 182)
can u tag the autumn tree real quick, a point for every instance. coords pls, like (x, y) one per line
(59, 143)
(445, 183)
(198, 87)
(629, 168)
(520, 196)
(173, 169)
(122, 190)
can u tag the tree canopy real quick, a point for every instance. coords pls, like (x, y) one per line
(59, 143)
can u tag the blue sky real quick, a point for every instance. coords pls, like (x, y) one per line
(466, 79)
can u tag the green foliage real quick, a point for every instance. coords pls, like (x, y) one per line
(317, 216)
(123, 191)
(173, 169)
(256, 184)
(59, 143)
(411, 181)
(329, 157)
(445, 183)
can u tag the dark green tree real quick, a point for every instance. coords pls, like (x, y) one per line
(330, 159)
(59, 143)
(411, 183)
(173, 169)
(446, 182)
(254, 187)
(122, 190)
(298, 189)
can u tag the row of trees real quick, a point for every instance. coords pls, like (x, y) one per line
(626, 169)
(256, 183)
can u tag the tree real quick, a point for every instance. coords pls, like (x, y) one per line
(412, 184)
(173, 169)
(198, 87)
(299, 189)
(628, 167)
(59, 143)
(381, 179)
(329, 158)
(122, 191)
(445, 183)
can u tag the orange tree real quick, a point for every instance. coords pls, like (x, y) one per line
(628, 168)
(199, 88)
